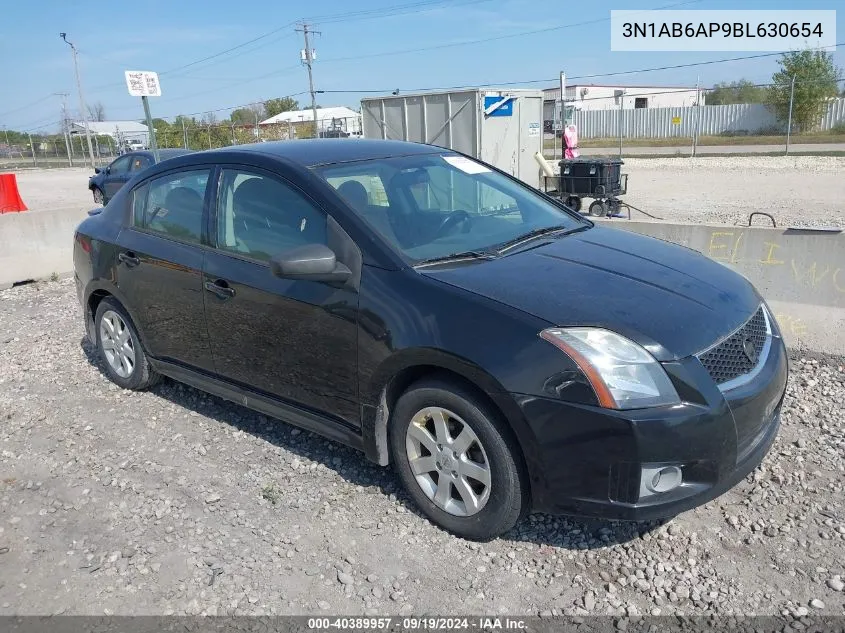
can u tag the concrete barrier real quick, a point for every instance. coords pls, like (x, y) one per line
(36, 245)
(800, 272)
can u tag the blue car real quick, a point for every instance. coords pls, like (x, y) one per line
(107, 181)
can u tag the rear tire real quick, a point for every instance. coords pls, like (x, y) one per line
(468, 478)
(120, 349)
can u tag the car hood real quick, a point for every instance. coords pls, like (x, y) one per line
(668, 298)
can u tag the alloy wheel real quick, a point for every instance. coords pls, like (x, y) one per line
(448, 461)
(117, 344)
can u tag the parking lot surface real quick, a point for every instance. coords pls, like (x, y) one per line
(802, 191)
(54, 189)
(176, 502)
(798, 191)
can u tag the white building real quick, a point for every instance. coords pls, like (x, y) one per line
(607, 97)
(120, 131)
(334, 118)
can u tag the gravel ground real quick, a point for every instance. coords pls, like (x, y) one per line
(176, 502)
(797, 191)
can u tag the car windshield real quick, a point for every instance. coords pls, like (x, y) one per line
(432, 206)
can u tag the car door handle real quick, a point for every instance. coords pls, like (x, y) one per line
(129, 259)
(220, 288)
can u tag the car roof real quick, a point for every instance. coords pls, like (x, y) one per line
(325, 151)
(164, 154)
(173, 152)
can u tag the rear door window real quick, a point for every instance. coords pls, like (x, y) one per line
(172, 205)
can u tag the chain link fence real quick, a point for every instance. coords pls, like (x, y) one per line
(199, 136)
(57, 150)
(678, 121)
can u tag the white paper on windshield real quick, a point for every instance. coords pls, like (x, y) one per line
(466, 165)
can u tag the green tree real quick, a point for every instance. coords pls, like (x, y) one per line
(816, 82)
(242, 116)
(272, 107)
(248, 115)
(742, 91)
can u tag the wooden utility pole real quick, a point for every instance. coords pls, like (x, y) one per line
(82, 111)
(307, 56)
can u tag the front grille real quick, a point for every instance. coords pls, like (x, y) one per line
(728, 359)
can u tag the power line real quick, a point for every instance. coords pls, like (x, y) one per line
(689, 65)
(217, 89)
(229, 58)
(228, 50)
(35, 124)
(387, 12)
(554, 79)
(495, 38)
(232, 107)
(349, 16)
(28, 105)
(32, 129)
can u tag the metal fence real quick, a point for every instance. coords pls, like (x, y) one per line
(55, 151)
(200, 136)
(684, 122)
(52, 151)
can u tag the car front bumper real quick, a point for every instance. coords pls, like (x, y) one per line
(588, 461)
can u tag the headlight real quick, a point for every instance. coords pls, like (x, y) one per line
(622, 373)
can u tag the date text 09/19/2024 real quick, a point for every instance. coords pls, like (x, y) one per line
(476, 623)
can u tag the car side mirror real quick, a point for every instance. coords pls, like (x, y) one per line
(312, 262)
(97, 170)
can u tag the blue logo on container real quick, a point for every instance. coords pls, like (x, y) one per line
(506, 109)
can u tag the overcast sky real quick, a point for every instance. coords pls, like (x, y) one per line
(360, 48)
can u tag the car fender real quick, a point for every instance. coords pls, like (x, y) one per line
(375, 410)
(106, 285)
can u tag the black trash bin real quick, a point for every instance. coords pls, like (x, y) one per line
(591, 177)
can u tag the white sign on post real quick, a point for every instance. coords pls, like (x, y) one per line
(143, 83)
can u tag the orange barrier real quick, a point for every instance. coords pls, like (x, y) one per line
(10, 197)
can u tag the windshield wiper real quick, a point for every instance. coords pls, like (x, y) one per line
(475, 254)
(546, 230)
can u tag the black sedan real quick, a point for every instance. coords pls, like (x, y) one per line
(502, 352)
(106, 181)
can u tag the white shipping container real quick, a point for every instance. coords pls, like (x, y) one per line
(501, 127)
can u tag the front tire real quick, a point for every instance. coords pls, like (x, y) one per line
(99, 197)
(120, 348)
(457, 460)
